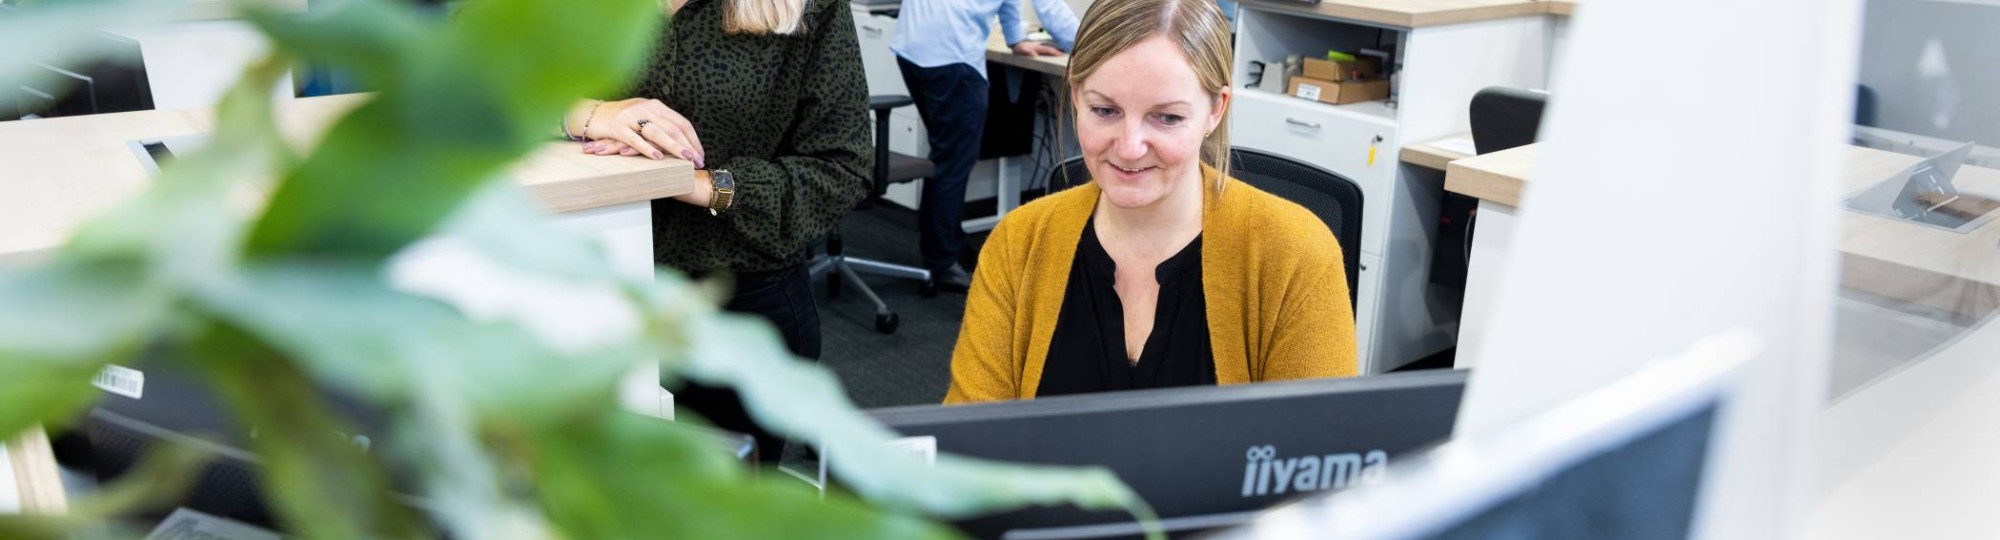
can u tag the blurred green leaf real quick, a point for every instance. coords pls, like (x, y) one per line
(344, 322)
(377, 41)
(805, 402)
(501, 222)
(626, 476)
(60, 324)
(487, 89)
(185, 226)
(330, 488)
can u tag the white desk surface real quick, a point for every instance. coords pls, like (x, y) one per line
(997, 51)
(1939, 269)
(62, 172)
(1910, 455)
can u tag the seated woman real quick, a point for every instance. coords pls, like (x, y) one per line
(1162, 270)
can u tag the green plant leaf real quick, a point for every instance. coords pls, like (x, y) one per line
(626, 476)
(60, 324)
(485, 90)
(805, 402)
(377, 41)
(344, 322)
(329, 488)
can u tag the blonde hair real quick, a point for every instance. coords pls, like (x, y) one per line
(1197, 27)
(756, 17)
(761, 17)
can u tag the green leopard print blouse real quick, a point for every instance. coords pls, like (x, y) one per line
(787, 115)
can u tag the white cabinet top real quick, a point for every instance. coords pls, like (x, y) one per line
(1414, 13)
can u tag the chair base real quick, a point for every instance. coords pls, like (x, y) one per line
(849, 269)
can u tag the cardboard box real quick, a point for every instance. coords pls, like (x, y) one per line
(1366, 67)
(1338, 93)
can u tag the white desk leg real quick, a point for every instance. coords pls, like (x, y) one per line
(1491, 236)
(1006, 197)
(626, 231)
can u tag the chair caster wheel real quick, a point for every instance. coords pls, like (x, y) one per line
(833, 284)
(886, 323)
(928, 289)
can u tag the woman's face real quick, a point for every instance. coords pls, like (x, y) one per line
(1141, 118)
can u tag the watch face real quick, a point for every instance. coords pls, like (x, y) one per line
(722, 179)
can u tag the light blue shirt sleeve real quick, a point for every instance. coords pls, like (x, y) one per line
(1059, 20)
(1010, 22)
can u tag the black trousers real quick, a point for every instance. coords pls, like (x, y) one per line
(786, 301)
(952, 100)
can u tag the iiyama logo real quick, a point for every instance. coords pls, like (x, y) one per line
(1264, 473)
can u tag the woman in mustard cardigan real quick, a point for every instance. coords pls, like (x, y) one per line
(1161, 271)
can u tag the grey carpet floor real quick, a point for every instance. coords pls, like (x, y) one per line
(913, 365)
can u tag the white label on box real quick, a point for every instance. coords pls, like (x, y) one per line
(1309, 91)
(121, 380)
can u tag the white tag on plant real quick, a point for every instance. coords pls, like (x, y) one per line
(924, 448)
(121, 380)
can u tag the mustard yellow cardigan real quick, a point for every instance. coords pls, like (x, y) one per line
(1271, 275)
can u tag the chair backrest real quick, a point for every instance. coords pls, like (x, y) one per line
(1334, 198)
(1504, 118)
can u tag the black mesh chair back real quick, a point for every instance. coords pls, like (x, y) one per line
(1069, 174)
(1504, 118)
(1332, 197)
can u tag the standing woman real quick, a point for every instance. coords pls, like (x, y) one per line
(1162, 270)
(768, 99)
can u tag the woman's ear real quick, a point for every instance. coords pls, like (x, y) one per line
(1221, 106)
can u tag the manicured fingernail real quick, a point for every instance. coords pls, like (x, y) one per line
(658, 155)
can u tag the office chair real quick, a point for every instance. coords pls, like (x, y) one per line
(1501, 118)
(890, 167)
(1332, 197)
(1504, 118)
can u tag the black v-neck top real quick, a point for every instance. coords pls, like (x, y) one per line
(1087, 352)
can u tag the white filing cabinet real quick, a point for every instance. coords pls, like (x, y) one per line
(1438, 68)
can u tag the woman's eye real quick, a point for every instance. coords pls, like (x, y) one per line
(1172, 119)
(1103, 112)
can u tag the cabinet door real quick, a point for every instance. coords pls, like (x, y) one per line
(1339, 139)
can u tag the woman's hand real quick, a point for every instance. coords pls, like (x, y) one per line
(641, 126)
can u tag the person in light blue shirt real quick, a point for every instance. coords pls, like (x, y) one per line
(940, 46)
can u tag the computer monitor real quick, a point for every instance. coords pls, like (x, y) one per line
(1924, 194)
(113, 79)
(156, 402)
(161, 402)
(1624, 462)
(1203, 458)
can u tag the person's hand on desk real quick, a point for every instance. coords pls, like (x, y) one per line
(1036, 48)
(636, 126)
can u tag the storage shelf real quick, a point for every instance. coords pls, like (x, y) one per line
(1375, 110)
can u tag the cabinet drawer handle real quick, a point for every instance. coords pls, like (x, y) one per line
(872, 30)
(1302, 123)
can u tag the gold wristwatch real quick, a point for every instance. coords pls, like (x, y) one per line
(725, 191)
